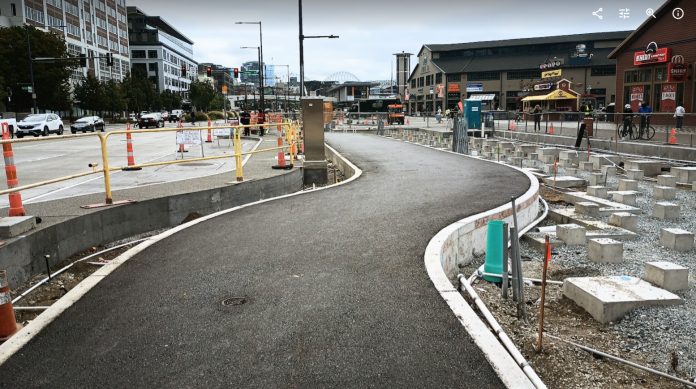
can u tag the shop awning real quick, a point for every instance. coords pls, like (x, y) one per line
(535, 98)
(482, 97)
(555, 95)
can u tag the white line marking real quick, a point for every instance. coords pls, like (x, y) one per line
(40, 159)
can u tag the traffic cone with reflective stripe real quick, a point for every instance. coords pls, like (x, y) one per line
(8, 323)
(673, 138)
(129, 149)
(551, 129)
(281, 162)
(210, 134)
(512, 126)
(16, 207)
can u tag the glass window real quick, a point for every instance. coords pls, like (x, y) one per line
(138, 53)
(152, 67)
(454, 77)
(438, 78)
(152, 53)
(531, 74)
(661, 74)
(483, 76)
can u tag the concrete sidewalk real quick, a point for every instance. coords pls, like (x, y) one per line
(334, 283)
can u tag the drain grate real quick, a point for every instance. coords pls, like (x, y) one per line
(234, 301)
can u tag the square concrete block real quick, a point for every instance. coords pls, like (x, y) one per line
(684, 174)
(596, 179)
(573, 171)
(650, 168)
(587, 208)
(625, 220)
(548, 159)
(601, 160)
(548, 169)
(676, 239)
(597, 191)
(602, 250)
(609, 170)
(628, 185)
(667, 275)
(667, 180)
(627, 198)
(587, 166)
(634, 174)
(519, 154)
(565, 162)
(16, 225)
(664, 193)
(666, 211)
(516, 161)
(571, 234)
(533, 156)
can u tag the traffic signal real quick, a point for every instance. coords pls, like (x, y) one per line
(83, 60)
(236, 73)
(109, 59)
(209, 70)
(183, 71)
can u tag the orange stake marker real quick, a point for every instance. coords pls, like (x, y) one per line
(16, 207)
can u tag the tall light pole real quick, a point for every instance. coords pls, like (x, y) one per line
(260, 79)
(302, 38)
(261, 69)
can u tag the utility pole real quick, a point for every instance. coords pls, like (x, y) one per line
(31, 69)
(301, 54)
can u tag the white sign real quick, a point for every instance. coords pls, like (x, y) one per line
(350, 98)
(188, 137)
(222, 131)
(474, 109)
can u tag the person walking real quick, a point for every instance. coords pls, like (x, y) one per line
(439, 115)
(679, 114)
(537, 117)
(193, 117)
(245, 119)
(645, 112)
(627, 119)
(260, 120)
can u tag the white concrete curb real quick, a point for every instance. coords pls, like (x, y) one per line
(22, 337)
(460, 240)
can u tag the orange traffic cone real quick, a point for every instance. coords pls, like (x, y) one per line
(8, 323)
(512, 126)
(210, 134)
(551, 130)
(673, 138)
(365, 121)
(407, 122)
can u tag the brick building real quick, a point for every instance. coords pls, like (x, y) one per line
(655, 63)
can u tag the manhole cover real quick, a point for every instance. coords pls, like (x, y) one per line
(196, 164)
(234, 301)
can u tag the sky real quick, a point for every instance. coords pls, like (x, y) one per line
(370, 32)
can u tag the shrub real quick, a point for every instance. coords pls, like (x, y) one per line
(200, 116)
(214, 115)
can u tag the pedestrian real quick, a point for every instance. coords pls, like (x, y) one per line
(448, 113)
(679, 114)
(260, 121)
(537, 117)
(627, 119)
(439, 115)
(645, 112)
(245, 119)
(193, 117)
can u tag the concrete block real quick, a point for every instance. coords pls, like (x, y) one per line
(596, 179)
(574, 156)
(548, 169)
(548, 158)
(16, 225)
(587, 166)
(677, 239)
(602, 250)
(664, 193)
(609, 298)
(597, 191)
(600, 160)
(624, 220)
(549, 151)
(533, 156)
(649, 167)
(693, 186)
(527, 150)
(563, 181)
(565, 162)
(634, 174)
(628, 198)
(519, 154)
(667, 275)
(666, 211)
(609, 170)
(516, 161)
(628, 185)
(667, 180)
(571, 234)
(508, 151)
(573, 171)
(684, 174)
(587, 208)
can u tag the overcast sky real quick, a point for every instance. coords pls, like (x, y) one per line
(371, 31)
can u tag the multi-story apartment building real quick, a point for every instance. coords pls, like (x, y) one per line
(162, 51)
(91, 27)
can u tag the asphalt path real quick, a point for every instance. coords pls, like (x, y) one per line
(337, 293)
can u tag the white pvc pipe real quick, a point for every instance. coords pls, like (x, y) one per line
(545, 229)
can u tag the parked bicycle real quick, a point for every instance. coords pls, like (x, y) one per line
(635, 131)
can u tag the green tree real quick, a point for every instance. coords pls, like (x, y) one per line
(91, 93)
(218, 102)
(170, 100)
(51, 80)
(3, 91)
(140, 91)
(202, 94)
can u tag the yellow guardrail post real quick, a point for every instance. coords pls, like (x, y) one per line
(105, 161)
(238, 152)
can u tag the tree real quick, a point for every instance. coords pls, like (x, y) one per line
(201, 94)
(140, 91)
(218, 102)
(170, 100)
(51, 80)
(92, 94)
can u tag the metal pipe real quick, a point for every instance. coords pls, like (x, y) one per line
(502, 336)
(617, 359)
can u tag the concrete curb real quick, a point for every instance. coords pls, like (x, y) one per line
(460, 239)
(20, 339)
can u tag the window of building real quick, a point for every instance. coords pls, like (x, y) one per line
(413, 83)
(72, 29)
(454, 77)
(511, 93)
(55, 3)
(13, 9)
(599, 91)
(635, 76)
(646, 94)
(54, 21)
(72, 9)
(33, 14)
(530, 74)
(152, 53)
(603, 71)
(661, 74)
(483, 76)
(152, 66)
(438, 78)
(657, 100)
(138, 54)
(421, 81)
(140, 65)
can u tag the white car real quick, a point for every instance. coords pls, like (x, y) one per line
(40, 124)
(88, 123)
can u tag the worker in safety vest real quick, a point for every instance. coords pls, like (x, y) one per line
(588, 110)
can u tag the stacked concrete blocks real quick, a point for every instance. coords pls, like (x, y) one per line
(587, 166)
(603, 250)
(609, 170)
(628, 198)
(667, 180)
(677, 239)
(667, 275)
(571, 234)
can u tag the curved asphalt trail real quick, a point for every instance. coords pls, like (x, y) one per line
(338, 293)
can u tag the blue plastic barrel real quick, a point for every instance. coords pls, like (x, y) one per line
(494, 251)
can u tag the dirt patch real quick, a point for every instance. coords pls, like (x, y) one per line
(334, 176)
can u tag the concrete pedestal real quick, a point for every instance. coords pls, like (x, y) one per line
(684, 174)
(667, 275)
(571, 234)
(634, 174)
(587, 166)
(628, 185)
(664, 193)
(315, 172)
(649, 168)
(596, 179)
(628, 198)
(548, 169)
(666, 211)
(533, 156)
(16, 225)
(667, 180)
(597, 191)
(676, 239)
(605, 250)
(600, 160)
(587, 208)
(609, 170)
(624, 220)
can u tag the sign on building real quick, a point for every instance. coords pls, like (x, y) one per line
(474, 87)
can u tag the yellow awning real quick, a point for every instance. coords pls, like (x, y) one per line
(555, 95)
(535, 98)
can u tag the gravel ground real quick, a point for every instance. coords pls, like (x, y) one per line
(653, 336)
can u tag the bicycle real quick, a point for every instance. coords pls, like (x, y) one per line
(635, 132)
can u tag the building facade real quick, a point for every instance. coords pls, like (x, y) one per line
(655, 63)
(92, 27)
(448, 73)
(162, 51)
(221, 76)
(251, 66)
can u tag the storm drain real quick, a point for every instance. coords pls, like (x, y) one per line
(234, 301)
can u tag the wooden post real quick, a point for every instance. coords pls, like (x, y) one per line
(543, 292)
(555, 173)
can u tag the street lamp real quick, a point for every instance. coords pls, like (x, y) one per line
(261, 71)
(302, 38)
(260, 79)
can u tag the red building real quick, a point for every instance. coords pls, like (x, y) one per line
(655, 63)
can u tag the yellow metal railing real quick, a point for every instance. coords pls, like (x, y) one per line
(288, 128)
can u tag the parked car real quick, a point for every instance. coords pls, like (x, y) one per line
(176, 115)
(151, 119)
(40, 124)
(165, 115)
(88, 123)
(9, 118)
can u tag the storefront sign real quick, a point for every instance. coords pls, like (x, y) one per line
(560, 95)
(651, 55)
(474, 87)
(669, 98)
(551, 74)
(543, 86)
(551, 64)
(636, 97)
(432, 90)
(440, 90)
(453, 88)
(454, 95)
(676, 70)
